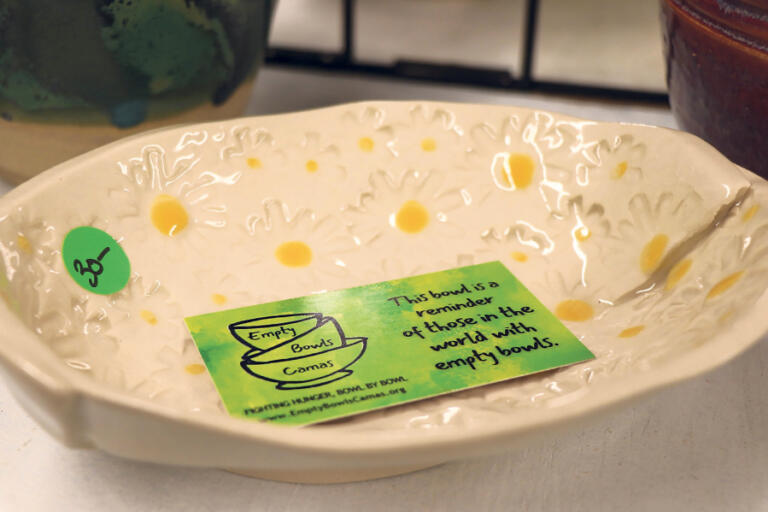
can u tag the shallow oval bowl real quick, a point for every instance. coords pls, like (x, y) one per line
(647, 243)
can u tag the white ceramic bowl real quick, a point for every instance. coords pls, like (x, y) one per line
(650, 245)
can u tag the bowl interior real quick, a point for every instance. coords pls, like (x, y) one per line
(645, 242)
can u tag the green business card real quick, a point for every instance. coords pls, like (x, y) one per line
(324, 356)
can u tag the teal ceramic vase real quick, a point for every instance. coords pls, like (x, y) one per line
(77, 74)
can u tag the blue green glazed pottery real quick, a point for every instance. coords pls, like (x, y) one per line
(76, 74)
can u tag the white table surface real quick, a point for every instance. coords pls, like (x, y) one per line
(699, 446)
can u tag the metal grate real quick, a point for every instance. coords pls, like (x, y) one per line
(345, 61)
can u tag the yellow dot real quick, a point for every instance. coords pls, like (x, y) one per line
(629, 332)
(412, 217)
(294, 254)
(311, 166)
(725, 317)
(573, 310)
(194, 369)
(148, 317)
(650, 257)
(519, 256)
(521, 169)
(23, 243)
(750, 213)
(253, 163)
(677, 273)
(218, 298)
(724, 284)
(428, 144)
(619, 170)
(365, 144)
(582, 233)
(168, 215)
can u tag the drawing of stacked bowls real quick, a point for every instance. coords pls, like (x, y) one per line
(296, 351)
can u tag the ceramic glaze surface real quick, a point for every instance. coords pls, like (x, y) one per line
(645, 242)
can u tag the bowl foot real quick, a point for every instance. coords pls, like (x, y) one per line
(330, 476)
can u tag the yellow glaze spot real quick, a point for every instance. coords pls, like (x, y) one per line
(750, 212)
(6, 296)
(521, 169)
(365, 144)
(620, 170)
(294, 254)
(519, 256)
(412, 217)
(23, 243)
(725, 317)
(168, 215)
(428, 144)
(630, 332)
(218, 298)
(725, 284)
(148, 317)
(582, 233)
(253, 163)
(677, 273)
(311, 166)
(573, 310)
(194, 369)
(650, 257)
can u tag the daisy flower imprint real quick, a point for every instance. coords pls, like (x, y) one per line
(525, 250)
(28, 253)
(217, 289)
(618, 159)
(77, 332)
(429, 139)
(172, 204)
(31, 238)
(580, 237)
(364, 143)
(726, 274)
(656, 226)
(182, 381)
(571, 301)
(295, 254)
(145, 319)
(416, 219)
(519, 181)
(621, 254)
(509, 151)
(313, 165)
(252, 151)
(366, 138)
(633, 329)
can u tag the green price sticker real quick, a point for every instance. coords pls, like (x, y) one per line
(95, 260)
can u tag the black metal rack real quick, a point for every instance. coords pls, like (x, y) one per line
(345, 61)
